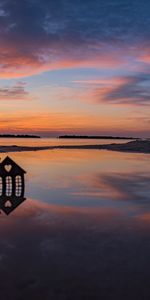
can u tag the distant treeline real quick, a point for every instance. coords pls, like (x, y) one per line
(95, 137)
(26, 136)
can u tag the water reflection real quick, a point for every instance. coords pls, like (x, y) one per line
(132, 187)
(84, 231)
(57, 141)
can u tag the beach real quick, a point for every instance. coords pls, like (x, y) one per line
(137, 146)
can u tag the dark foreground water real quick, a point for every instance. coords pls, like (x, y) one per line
(84, 230)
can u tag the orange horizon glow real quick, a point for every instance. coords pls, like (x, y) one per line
(65, 123)
(99, 112)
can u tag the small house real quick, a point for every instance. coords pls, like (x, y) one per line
(12, 185)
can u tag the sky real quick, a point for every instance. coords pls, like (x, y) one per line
(75, 67)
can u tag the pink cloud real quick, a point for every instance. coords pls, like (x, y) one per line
(15, 63)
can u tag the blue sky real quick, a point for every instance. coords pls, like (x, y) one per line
(75, 67)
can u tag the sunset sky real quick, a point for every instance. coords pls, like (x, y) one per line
(76, 67)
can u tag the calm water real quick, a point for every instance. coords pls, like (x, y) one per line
(84, 230)
(56, 141)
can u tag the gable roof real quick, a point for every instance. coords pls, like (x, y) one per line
(8, 161)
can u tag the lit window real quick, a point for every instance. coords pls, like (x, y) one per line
(1, 186)
(18, 181)
(8, 186)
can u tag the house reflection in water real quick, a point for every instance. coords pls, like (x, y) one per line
(12, 185)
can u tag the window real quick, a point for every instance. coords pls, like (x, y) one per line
(1, 186)
(18, 181)
(8, 186)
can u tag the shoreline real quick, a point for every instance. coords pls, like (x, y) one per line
(136, 146)
(101, 137)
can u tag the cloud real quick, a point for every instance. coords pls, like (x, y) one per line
(16, 92)
(130, 90)
(37, 36)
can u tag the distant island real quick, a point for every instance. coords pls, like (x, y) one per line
(96, 137)
(24, 136)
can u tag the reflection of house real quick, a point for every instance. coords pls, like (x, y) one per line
(11, 185)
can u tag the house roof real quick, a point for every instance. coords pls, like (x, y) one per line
(8, 161)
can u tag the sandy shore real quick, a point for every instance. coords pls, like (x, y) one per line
(139, 146)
